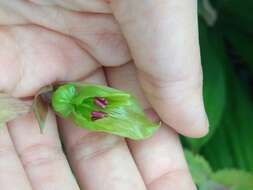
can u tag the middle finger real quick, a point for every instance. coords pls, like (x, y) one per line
(100, 161)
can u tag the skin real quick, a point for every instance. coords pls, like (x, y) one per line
(149, 48)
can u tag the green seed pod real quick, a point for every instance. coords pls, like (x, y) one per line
(104, 109)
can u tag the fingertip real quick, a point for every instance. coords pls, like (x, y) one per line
(191, 123)
(197, 130)
(184, 113)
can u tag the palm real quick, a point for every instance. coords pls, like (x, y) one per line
(72, 44)
(81, 40)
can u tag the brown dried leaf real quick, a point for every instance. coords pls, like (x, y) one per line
(12, 108)
(40, 105)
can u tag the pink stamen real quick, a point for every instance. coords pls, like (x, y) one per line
(95, 115)
(101, 102)
(107, 1)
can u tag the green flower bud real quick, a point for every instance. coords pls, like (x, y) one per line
(104, 109)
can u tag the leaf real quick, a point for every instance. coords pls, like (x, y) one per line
(202, 172)
(242, 43)
(238, 180)
(211, 185)
(232, 144)
(237, 14)
(218, 151)
(120, 116)
(206, 179)
(40, 107)
(213, 58)
(242, 128)
(199, 167)
(11, 108)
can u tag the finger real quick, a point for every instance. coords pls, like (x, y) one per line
(29, 62)
(12, 175)
(168, 170)
(100, 161)
(160, 158)
(41, 154)
(163, 39)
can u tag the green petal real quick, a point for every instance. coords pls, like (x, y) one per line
(124, 121)
(62, 99)
(125, 117)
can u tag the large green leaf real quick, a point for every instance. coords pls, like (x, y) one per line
(218, 150)
(232, 145)
(237, 13)
(213, 57)
(243, 127)
(242, 44)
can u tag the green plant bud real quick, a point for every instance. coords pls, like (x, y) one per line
(104, 109)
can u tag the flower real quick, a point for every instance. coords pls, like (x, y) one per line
(104, 109)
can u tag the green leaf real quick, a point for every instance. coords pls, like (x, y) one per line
(211, 185)
(120, 116)
(234, 179)
(237, 14)
(206, 179)
(11, 108)
(213, 58)
(218, 150)
(242, 128)
(242, 43)
(232, 144)
(202, 172)
(199, 167)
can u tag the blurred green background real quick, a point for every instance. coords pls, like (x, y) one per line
(224, 159)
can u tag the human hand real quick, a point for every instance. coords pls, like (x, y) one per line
(50, 41)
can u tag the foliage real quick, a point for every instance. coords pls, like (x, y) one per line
(226, 160)
(225, 179)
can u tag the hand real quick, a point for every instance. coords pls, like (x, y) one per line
(50, 41)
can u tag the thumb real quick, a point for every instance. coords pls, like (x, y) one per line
(163, 38)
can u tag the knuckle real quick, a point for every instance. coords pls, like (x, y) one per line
(93, 145)
(41, 154)
(171, 86)
(170, 175)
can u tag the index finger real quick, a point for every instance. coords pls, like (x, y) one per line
(163, 39)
